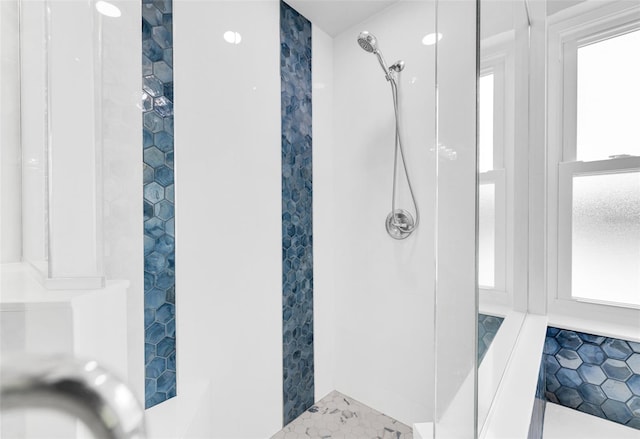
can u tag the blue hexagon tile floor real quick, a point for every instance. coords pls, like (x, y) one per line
(593, 374)
(337, 416)
(488, 326)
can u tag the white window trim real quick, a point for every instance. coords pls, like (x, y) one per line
(566, 33)
(498, 60)
(505, 54)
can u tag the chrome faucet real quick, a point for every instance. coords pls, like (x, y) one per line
(79, 388)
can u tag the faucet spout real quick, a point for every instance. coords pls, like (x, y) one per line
(79, 388)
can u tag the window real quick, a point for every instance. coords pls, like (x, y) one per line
(608, 98)
(491, 197)
(486, 196)
(503, 98)
(487, 235)
(486, 119)
(594, 135)
(605, 234)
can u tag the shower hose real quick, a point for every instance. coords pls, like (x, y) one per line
(399, 148)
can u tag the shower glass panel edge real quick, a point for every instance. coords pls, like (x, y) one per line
(456, 287)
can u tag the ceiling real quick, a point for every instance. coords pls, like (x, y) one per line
(554, 6)
(335, 16)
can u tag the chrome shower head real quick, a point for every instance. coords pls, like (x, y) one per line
(368, 42)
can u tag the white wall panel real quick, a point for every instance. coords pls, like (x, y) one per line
(33, 133)
(10, 152)
(383, 288)
(228, 217)
(324, 214)
(75, 152)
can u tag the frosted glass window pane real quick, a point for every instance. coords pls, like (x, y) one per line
(609, 98)
(487, 235)
(485, 119)
(606, 237)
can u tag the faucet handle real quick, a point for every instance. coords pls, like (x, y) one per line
(80, 388)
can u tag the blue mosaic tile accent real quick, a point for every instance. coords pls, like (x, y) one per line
(487, 329)
(158, 207)
(297, 232)
(594, 374)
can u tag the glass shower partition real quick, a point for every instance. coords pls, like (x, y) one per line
(456, 291)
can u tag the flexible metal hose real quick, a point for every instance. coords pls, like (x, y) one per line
(398, 147)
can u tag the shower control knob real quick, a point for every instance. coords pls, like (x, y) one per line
(400, 224)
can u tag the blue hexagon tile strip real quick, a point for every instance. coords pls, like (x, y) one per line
(159, 243)
(487, 329)
(594, 374)
(297, 236)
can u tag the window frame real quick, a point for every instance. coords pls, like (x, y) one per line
(498, 60)
(565, 35)
(567, 171)
(571, 42)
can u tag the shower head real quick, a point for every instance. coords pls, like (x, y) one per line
(368, 42)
